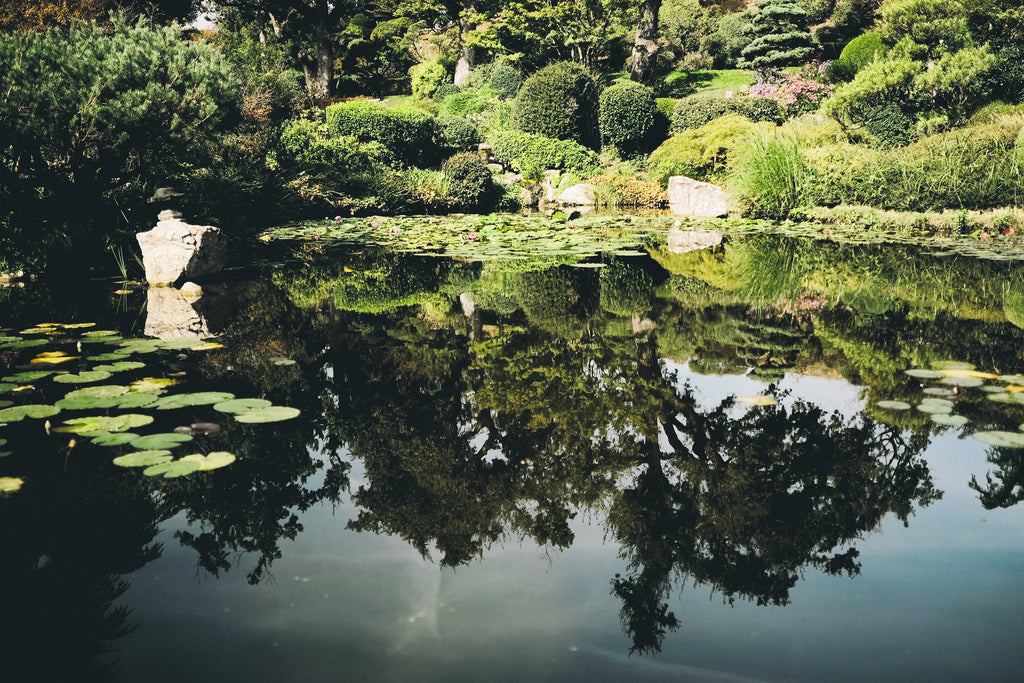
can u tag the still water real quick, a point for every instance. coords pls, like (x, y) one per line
(655, 468)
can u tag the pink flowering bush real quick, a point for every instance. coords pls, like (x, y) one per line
(799, 92)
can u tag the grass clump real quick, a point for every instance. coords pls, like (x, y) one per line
(770, 176)
(701, 153)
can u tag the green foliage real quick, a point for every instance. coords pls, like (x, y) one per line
(458, 133)
(308, 143)
(778, 36)
(525, 151)
(770, 177)
(468, 182)
(701, 153)
(698, 110)
(467, 102)
(937, 25)
(505, 80)
(627, 117)
(408, 133)
(428, 77)
(857, 54)
(560, 101)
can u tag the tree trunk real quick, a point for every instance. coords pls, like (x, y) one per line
(644, 47)
(466, 57)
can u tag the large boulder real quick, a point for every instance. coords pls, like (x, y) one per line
(175, 250)
(689, 197)
(577, 195)
(169, 314)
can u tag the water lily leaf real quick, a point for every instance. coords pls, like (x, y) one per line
(113, 355)
(1003, 439)
(140, 345)
(144, 458)
(241, 405)
(962, 381)
(105, 423)
(211, 461)
(105, 438)
(152, 384)
(10, 484)
(969, 373)
(921, 373)
(100, 333)
(948, 419)
(52, 357)
(37, 330)
(269, 414)
(161, 441)
(5, 387)
(82, 377)
(893, 405)
(757, 400)
(178, 343)
(101, 340)
(1014, 389)
(283, 361)
(951, 365)
(78, 326)
(197, 399)
(207, 346)
(172, 470)
(940, 391)
(120, 366)
(937, 402)
(135, 400)
(25, 343)
(934, 408)
(1005, 397)
(33, 410)
(31, 376)
(1012, 379)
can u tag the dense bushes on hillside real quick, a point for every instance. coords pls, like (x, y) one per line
(560, 101)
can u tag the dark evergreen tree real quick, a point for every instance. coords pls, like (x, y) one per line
(779, 36)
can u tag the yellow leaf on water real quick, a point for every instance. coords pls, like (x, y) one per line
(1014, 388)
(975, 374)
(10, 484)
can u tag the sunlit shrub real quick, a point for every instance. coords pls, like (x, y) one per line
(695, 111)
(560, 101)
(408, 133)
(458, 133)
(468, 181)
(701, 153)
(525, 151)
(627, 115)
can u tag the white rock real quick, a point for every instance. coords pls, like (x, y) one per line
(175, 250)
(689, 197)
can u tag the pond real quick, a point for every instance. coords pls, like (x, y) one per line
(775, 459)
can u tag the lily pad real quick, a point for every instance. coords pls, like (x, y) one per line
(100, 333)
(948, 419)
(105, 423)
(30, 376)
(25, 343)
(7, 386)
(104, 396)
(200, 398)
(934, 408)
(120, 366)
(82, 377)
(1012, 379)
(143, 458)
(969, 373)
(1006, 397)
(241, 405)
(893, 405)
(208, 346)
(269, 414)
(172, 470)
(53, 358)
(211, 461)
(937, 402)
(921, 373)
(153, 384)
(33, 410)
(105, 438)
(1002, 439)
(283, 361)
(112, 356)
(161, 441)
(962, 381)
(938, 391)
(10, 484)
(135, 400)
(179, 343)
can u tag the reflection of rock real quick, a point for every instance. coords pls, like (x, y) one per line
(689, 197)
(175, 250)
(169, 315)
(682, 241)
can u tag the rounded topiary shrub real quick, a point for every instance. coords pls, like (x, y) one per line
(627, 116)
(505, 80)
(468, 181)
(560, 101)
(458, 133)
(408, 133)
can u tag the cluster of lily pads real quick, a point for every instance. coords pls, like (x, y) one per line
(948, 378)
(86, 389)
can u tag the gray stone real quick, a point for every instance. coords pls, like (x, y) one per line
(578, 195)
(164, 194)
(682, 241)
(170, 315)
(175, 250)
(689, 197)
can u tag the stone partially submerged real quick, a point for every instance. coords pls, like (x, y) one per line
(175, 251)
(689, 197)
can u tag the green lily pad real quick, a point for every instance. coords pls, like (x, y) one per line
(951, 365)
(939, 391)
(120, 366)
(105, 438)
(211, 461)
(948, 419)
(161, 441)
(25, 343)
(172, 470)
(153, 384)
(105, 423)
(100, 333)
(112, 356)
(1008, 379)
(140, 345)
(284, 361)
(934, 408)
(179, 343)
(893, 405)
(102, 340)
(30, 376)
(105, 396)
(1002, 439)
(143, 458)
(921, 373)
(931, 401)
(6, 386)
(33, 410)
(1007, 397)
(962, 381)
(241, 405)
(10, 484)
(82, 377)
(197, 399)
(269, 414)
(135, 400)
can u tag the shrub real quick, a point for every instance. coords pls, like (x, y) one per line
(560, 101)
(698, 110)
(797, 92)
(505, 80)
(468, 181)
(701, 153)
(525, 151)
(627, 116)
(779, 36)
(770, 178)
(428, 77)
(458, 133)
(863, 50)
(444, 90)
(307, 144)
(408, 133)
(466, 102)
(624, 188)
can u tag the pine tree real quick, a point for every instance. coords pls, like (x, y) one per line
(779, 36)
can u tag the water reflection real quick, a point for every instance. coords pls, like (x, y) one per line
(494, 402)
